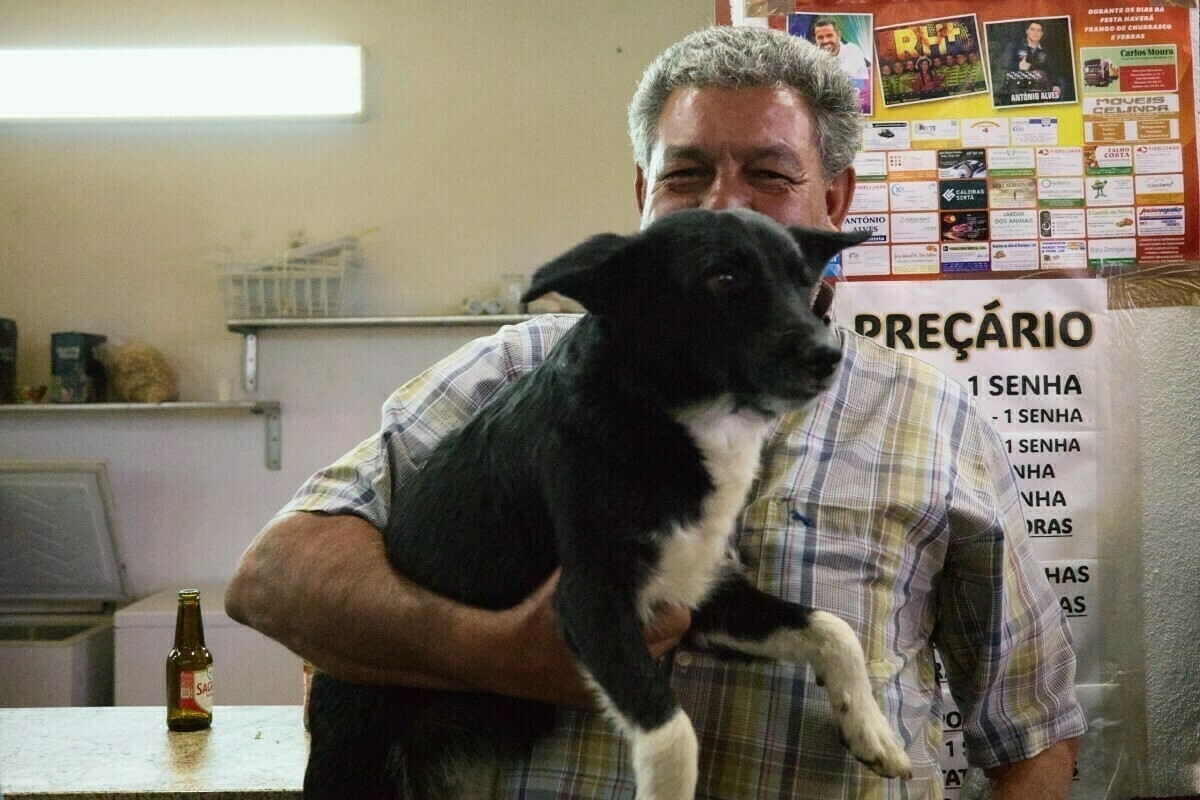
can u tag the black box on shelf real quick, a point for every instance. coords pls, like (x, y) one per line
(8, 361)
(76, 374)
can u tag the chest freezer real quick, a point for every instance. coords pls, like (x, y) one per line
(61, 579)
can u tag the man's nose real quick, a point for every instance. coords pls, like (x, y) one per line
(726, 192)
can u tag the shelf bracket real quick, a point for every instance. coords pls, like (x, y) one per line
(250, 361)
(273, 433)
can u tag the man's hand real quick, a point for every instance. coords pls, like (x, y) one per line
(536, 662)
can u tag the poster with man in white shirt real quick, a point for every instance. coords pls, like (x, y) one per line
(845, 37)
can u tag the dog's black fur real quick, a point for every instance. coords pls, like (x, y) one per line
(623, 458)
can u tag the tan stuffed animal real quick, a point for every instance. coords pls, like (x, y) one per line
(137, 373)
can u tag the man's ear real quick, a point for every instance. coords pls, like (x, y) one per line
(639, 186)
(588, 273)
(839, 194)
(819, 245)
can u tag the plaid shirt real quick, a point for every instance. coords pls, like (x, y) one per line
(889, 502)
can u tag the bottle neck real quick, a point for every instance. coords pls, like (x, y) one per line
(189, 628)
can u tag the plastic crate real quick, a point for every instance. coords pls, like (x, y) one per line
(311, 281)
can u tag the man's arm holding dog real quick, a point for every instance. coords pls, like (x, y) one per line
(322, 585)
(1046, 776)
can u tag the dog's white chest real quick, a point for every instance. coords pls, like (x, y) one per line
(692, 555)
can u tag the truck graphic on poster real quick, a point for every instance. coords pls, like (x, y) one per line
(1099, 72)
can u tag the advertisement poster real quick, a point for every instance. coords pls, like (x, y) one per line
(846, 37)
(1047, 139)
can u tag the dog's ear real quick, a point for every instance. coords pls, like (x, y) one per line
(819, 245)
(585, 273)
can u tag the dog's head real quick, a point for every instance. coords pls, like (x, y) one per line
(704, 304)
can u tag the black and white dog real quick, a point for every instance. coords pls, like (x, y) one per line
(625, 458)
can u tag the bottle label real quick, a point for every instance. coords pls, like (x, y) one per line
(195, 690)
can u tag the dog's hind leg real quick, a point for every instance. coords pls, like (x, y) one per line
(421, 773)
(333, 776)
(601, 625)
(738, 617)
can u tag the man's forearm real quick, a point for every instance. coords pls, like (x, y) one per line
(1046, 776)
(323, 587)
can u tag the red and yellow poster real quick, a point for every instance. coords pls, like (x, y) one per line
(1018, 139)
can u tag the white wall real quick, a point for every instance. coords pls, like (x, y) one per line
(1170, 453)
(495, 138)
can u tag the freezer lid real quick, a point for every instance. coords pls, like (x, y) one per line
(58, 547)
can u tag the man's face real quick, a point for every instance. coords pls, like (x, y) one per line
(741, 148)
(1034, 33)
(828, 39)
(960, 59)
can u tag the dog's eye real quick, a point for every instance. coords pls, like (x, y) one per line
(723, 283)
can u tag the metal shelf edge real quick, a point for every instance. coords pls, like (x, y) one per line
(254, 407)
(269, 410)
(482, 320)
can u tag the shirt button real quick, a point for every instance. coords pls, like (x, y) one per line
(683, 660)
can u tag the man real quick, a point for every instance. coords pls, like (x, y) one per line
(886, 80)
(849, 55)
(890, 503)
(1028, 56)
(964, 71)
(975, 76)
(902, 81)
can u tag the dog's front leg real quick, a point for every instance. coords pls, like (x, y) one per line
(738, 616)
(601, 625)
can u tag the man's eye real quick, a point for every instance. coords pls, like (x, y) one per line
(680, 175)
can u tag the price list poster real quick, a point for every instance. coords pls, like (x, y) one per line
(1015, 157)
(1034, 356)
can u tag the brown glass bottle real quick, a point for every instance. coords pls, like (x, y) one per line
(189, 669)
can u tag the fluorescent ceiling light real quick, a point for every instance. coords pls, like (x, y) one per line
(192, 82)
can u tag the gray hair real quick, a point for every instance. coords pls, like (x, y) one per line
(738, 57)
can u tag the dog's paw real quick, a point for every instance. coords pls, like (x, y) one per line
(866, 733)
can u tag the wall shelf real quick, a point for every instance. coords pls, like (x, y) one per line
(478, 320)
(269, 409)
(250, 328)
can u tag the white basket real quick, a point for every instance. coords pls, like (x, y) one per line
(312, 281)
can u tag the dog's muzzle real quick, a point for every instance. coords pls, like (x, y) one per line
(796, 370)
(814, 351)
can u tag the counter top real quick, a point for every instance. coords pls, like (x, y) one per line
(127, 753)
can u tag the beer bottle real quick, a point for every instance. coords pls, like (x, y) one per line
(189, 669)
